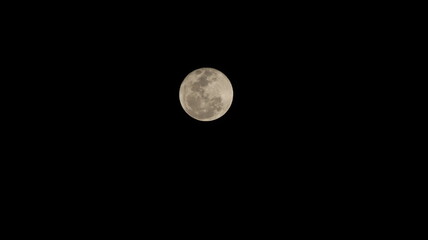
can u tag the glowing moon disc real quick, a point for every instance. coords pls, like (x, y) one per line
(206, 94)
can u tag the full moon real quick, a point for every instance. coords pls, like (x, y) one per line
(206, 94)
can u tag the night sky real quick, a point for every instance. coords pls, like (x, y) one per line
(298, 125)
(297, 77)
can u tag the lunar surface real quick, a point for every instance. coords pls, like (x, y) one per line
(206, 94)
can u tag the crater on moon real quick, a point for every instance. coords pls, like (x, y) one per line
(206, 94)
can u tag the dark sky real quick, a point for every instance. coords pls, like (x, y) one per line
(297, 74)
(298, 124)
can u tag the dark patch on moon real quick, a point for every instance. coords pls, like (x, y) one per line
(196, 87)
(208, 73)
(203, 81)
(205, 95)
(198, 72)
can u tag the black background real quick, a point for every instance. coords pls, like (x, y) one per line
(110, 78)
(107, 123)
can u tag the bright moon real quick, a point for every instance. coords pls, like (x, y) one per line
(206, 94)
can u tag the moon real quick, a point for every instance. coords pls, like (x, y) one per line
(206, 94)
